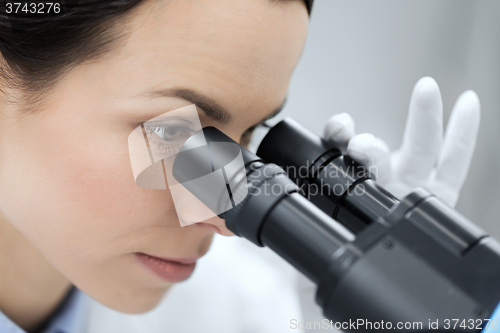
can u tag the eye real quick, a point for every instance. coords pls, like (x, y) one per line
(168, 133)
(168, 137)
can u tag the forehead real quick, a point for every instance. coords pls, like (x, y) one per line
(223, 33)
(234, 51)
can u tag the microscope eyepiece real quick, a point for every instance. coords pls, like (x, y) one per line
(338, 185)
(272, 214)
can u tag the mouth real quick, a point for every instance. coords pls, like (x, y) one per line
(169, 269)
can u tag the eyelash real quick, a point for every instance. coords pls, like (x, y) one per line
(162, 144)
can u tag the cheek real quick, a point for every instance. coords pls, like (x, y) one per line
(76, 187)
(97, 183)
(100, 186)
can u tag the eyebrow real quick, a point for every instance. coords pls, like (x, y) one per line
(211, 108)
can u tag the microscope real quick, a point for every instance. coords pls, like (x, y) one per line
(379, 263)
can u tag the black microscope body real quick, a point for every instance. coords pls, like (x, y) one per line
(380, 264)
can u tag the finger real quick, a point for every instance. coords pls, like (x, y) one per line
(444, 193)
(459, 143)
(339, 129)
(423, 133)
(373, 153)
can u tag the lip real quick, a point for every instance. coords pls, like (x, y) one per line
(169, 269)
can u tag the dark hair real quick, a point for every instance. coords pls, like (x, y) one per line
(37, 49)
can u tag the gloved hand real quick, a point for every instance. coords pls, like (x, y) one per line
(424, 159)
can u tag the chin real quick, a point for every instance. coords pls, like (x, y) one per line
(134, 302)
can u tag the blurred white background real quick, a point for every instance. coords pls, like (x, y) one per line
(364, 57)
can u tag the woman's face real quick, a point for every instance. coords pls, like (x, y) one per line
(66, 180)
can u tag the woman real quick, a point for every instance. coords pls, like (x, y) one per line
(73, 88)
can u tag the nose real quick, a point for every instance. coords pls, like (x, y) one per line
(220, 226)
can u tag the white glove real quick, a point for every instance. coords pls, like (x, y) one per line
(424, 158)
